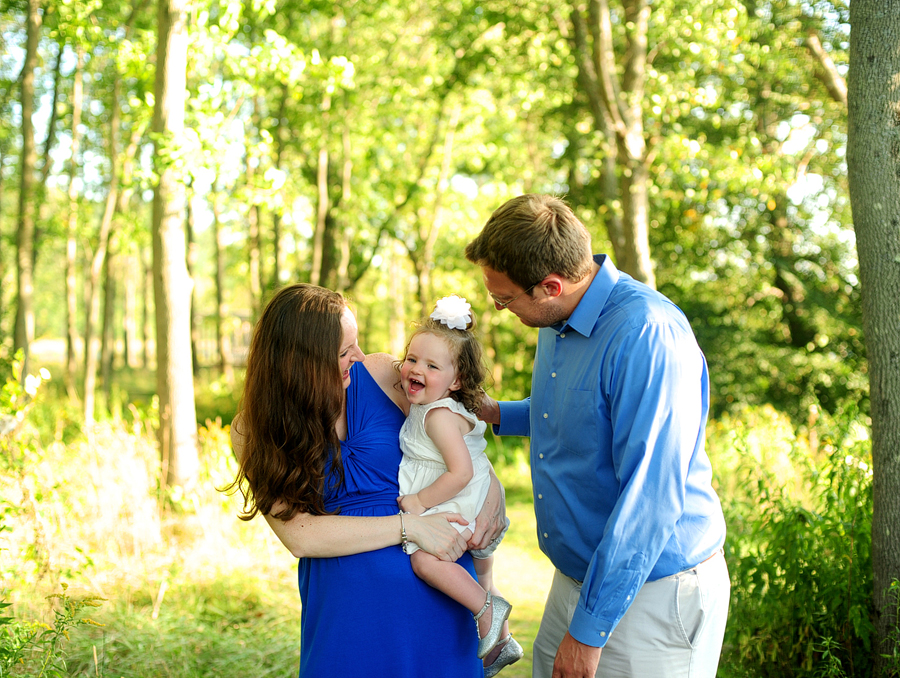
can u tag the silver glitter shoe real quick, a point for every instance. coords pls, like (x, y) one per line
(510, 654)
(500, 609)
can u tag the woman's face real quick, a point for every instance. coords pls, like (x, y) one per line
(349, 352)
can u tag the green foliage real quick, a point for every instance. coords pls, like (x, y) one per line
(799, 515)
(37, 649)
(892, 665)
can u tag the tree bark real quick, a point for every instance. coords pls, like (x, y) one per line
(279, 134)
(873, 158)
(223, 337)
(71, 370)
(616, 105)
(191, 243)
(147, 299)
(130, 276)
(92, 338)
(108, 334)
(829, 74)
(24, 332)
(323, 206)
(588, 64)
(172, 285)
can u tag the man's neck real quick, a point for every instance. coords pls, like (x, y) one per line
(575, 291)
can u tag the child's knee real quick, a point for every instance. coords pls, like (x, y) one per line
(421, 562)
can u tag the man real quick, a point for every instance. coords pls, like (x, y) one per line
(622, 484)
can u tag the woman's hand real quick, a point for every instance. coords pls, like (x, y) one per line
(435, 535)
(411, 504)
(489, 523)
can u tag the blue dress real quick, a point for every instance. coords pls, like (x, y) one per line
(368, 615)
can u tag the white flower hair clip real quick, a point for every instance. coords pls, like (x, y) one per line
(453, 311)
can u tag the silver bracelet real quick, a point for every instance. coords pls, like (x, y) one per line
(404, 540)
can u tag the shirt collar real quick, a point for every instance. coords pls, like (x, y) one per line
(584, 317)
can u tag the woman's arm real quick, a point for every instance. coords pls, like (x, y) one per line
(309, 536)
(446, 429)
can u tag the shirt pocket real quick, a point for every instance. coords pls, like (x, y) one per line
(579, 427)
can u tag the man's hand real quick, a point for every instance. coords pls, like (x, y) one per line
(490, 410)
(489, 523)
(575, 660)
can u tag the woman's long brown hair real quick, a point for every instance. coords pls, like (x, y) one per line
(293, 396)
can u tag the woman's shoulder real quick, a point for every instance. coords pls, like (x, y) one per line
(380, 367)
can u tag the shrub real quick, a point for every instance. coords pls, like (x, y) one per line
(799, 515)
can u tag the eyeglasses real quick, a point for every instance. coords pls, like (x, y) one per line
(504, 304)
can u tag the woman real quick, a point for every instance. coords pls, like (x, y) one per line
(317, 440)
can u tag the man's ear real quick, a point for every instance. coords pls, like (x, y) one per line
(552, 285)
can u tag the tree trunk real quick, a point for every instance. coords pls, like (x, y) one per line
(70, 376)
(24, 332)
(588, 65)
(279, 133)
(873, 158)
(253, 217)
(616, 105)
(50, 140)
(323, 206)
(172, 285)
(108, 334)
(191, 262)
(130, 276)
(223, 337)
(147, 299)
(92, 337)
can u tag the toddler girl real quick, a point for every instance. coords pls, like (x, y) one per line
(444, 466)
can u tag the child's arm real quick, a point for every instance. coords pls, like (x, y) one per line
(446, 430)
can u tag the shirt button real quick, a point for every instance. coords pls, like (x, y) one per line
(540, 496)
(553, 374)
(562, 335)
(603, 634)
(546, 415)
(546, 536)
(541, 456)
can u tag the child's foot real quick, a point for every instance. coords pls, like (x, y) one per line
(489, 632)
(503, 655)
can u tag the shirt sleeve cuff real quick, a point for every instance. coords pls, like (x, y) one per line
(514, 418)
(589, 630)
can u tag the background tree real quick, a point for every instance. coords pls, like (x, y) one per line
(873, 156)
(24, 332)
(175, 384)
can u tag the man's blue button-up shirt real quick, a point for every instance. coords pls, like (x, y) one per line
(622, 481)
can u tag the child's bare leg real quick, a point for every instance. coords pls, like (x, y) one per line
(484, 568)
(453, 580)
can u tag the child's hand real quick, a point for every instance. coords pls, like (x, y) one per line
(411, 504)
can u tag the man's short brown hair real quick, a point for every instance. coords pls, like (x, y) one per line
(530, 237)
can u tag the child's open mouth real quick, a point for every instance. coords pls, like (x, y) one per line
(415, 386)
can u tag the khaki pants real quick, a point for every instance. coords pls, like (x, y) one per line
(674, 627)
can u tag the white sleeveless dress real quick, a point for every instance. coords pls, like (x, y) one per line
(422, 463)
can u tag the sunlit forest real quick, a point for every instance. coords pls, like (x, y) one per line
(164, 167)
